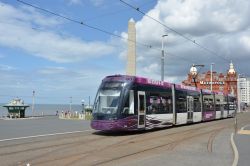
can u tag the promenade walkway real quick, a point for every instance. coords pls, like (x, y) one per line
(242, 142)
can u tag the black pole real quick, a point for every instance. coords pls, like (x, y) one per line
(195, 82)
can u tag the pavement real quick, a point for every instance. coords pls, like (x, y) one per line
(242, 141)
(217, 148)
(18, 128)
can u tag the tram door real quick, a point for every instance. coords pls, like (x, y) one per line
(141, 109)
(190, 108)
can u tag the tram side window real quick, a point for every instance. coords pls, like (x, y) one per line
(225, 103)
(128, 108)
(181, 103)
(232, 103)
(159, 103)
(197, 104)
(226, 106)
(208, 104)
(218, 105)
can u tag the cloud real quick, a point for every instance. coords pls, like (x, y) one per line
(245, 41)
(53, 84)
(52, 70)
(97, 2)
(75, 2)
(201, 17)
(16, 31)
(220, 26)
(6, 67)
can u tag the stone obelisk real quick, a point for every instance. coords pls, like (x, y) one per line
(131, 56)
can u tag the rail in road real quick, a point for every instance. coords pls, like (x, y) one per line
(198, 141)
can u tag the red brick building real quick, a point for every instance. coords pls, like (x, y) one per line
(226, 83)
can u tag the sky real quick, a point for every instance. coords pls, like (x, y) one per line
(62, 59)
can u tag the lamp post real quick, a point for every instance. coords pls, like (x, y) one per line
(211, 80)
(194, 72)
(33, 103)
(70, 102)
(83, 109)
(162, 58)
(239, 91)
(238, 103)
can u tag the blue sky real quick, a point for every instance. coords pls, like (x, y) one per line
(58, 58)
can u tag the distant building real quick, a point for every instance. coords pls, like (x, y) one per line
(16, 108)
(244, 88)
(226, 83)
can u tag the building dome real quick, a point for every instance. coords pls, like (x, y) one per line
(193, 70)
(231, 69)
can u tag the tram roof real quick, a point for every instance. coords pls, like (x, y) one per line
(148, 81)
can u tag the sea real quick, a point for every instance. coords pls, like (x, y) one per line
(44, 109)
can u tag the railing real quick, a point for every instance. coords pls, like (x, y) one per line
(76, 115)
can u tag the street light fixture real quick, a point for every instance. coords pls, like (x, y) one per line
(162, 58)
(194, 72)
(211, 80)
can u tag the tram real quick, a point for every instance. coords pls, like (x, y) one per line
(136, 103)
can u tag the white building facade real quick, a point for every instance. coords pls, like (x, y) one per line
(244, 89)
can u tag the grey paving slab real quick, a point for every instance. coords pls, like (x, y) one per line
(45, 125)
(243, 146)
(194, 153)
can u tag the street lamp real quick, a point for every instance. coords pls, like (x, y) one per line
(194, 73)
(239, 88)
(70, 102)
(162, 58)
(83, 109)
(33, 103)
(211, 80)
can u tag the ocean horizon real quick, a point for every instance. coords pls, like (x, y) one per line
(44, 109)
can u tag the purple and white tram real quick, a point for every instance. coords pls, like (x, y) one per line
(135, 103)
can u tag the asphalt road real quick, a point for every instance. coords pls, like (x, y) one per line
(198, 144)
(39, 126)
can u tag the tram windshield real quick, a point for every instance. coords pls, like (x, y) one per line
(107, 99)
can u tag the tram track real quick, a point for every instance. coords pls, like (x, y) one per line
(71, 145)
(84, 148)
(40, 148)
(156, 147)
(173, 144)
(77, 157)
(16, 143)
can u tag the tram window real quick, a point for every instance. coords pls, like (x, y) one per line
(128, 108)
(197, 104)
(226, 106)
(208, 104)
(125, 110)
(181, 105)
(159, 103)
(131, 102)
(141, 106)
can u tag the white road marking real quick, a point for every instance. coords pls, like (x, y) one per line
(236, 153)
(243, 128)
(43, 135)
